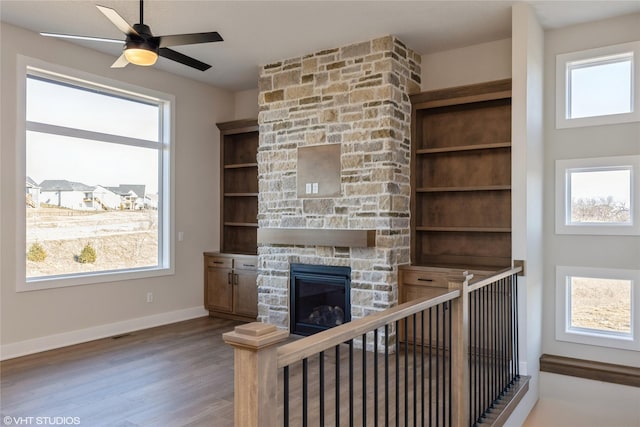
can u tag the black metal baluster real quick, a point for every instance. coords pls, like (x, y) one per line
(422, 343)
(375, 377)
(351, 409)
(516, 337)
(406, 372)
(305, 409)
(364, 379)
(512, 328)
(386, 375)
(437, 365)
(321, 374)
(494, 361)
(285, 381)
(415, 373)
(481, 350)
(430, 365)
(503, 328)
(487, 331)
(337, 391)
(397, 373)
(473, 359)
(450, 368)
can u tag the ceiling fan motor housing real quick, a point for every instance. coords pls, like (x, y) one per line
(137, 44)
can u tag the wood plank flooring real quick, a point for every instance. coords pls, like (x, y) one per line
(173, 375)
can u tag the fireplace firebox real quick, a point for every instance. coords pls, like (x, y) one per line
(320, 297)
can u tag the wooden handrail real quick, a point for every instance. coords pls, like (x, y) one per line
(306, 347)
(258, 357)
(507, 272)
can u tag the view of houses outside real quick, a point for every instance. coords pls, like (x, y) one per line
(119, 223)
(94, 157)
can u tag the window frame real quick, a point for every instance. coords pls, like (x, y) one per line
(563, 194)
(166, 210)
(597, 55)
(592, 337)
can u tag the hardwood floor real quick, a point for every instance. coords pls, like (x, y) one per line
(174, 375)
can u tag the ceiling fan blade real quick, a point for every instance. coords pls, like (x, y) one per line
(71, 36)
(183, 59)
(121, 62)
(117, 20)
(183, 39)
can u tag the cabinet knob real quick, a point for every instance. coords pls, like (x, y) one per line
(229, 279)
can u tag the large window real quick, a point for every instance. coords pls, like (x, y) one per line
(97, 179)
(598, 86)
(598, 306)
(598, 196)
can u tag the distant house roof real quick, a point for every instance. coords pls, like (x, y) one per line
(127, 189)
(31, 183)
(64, 185)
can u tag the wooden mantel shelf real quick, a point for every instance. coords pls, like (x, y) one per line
(317, 237)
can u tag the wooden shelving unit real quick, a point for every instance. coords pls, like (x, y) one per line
(239, 186)
(461, 176)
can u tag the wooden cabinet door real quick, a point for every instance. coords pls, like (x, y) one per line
(220, 289)
(245, 298)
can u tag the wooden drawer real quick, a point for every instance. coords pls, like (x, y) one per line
(245, 263)
(219, 262)
(424, 278)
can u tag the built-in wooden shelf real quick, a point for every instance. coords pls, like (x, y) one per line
(241, 165)
(317, 237)
(457, 189)
(466, 229)
(239, 186)
(241, 224)
(240, 194)
(464, 148)
(461, 176)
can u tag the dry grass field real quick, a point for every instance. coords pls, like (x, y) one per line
(601, 304)
(122, 239)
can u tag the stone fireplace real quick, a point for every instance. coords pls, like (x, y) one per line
(357, 97)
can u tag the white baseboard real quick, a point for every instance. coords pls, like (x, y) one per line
(49, 342)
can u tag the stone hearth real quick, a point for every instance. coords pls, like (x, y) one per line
(355, 96)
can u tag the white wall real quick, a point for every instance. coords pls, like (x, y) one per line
(36, 320)
(526, 193)
(593, 141)
(468, 65)
(246, 104)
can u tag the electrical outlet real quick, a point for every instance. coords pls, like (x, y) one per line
(149, 296)
(307, 188)
(314, 188)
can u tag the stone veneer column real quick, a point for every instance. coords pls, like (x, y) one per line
(356, 96)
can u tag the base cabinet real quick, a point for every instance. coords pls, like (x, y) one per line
(230, 289)
(416, 282)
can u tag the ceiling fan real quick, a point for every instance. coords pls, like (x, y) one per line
(141, 47)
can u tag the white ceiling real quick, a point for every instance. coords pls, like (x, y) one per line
(260, 32)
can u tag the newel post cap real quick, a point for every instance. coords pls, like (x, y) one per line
(255, 336)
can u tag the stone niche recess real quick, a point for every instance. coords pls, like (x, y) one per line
(356, 96)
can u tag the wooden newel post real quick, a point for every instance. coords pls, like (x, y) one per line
(460, 352)
(255, 373)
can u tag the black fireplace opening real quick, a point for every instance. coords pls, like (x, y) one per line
(320, 297)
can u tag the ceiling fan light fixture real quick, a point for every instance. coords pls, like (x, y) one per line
(141, 55)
